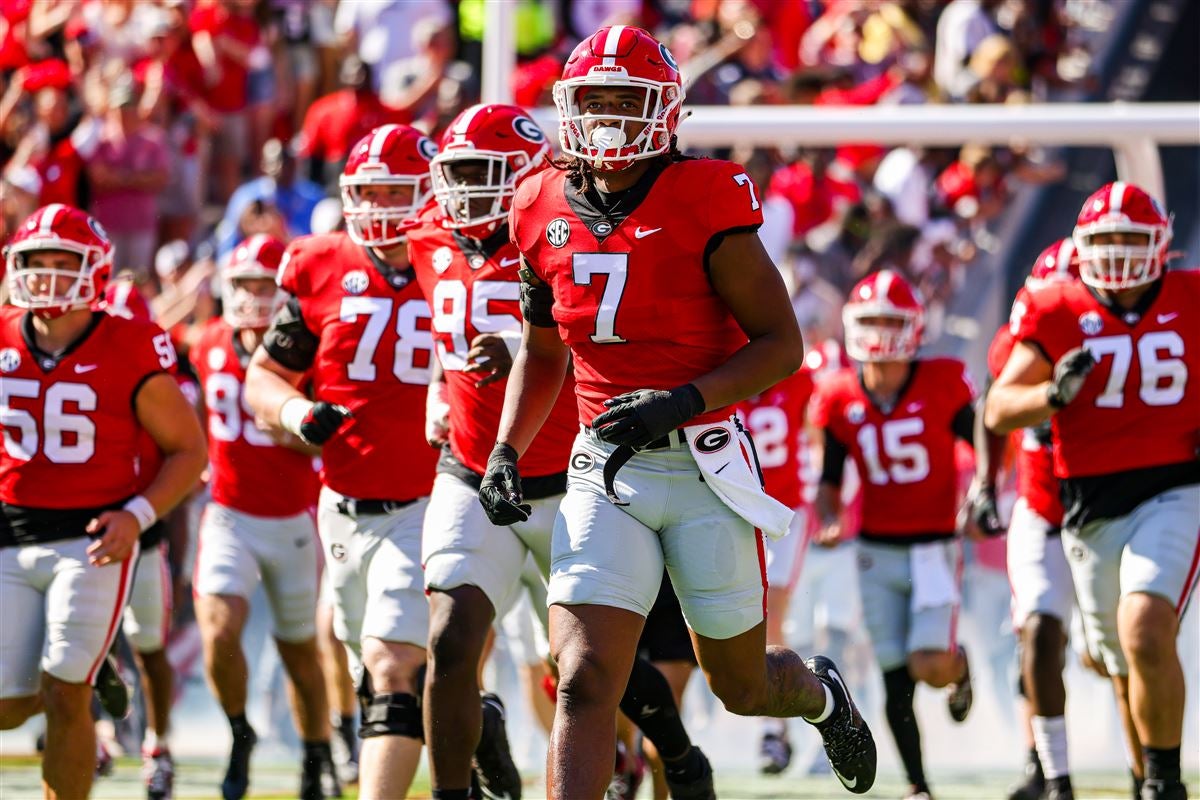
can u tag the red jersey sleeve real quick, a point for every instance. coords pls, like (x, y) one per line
(734, 201)
(522, 231)
(149, 351)
(821, 407)
(999, 350)
(1033, 321)
(289, 277)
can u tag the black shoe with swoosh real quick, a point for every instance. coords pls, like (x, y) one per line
(849, 745)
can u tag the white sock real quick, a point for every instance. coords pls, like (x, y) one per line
(774, 726)
(153, 741)
(1050, 738)
(829, 704)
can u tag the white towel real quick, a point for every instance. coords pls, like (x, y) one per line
(724, 454)
(933, 582)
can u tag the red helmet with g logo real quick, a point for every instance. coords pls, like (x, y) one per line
(256, 258)
(52, 291)
(389, 156)
(1127, 211)
(485, 153)
(884, 319)
(619, 56)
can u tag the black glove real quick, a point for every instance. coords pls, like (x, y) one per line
(983, 511)
(639, 418)
(500, 490)
(1069, 374)
(322, 421)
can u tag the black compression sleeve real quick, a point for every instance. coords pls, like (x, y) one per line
(834, 463)
(289, 341)
(964, 424)
(537, 301)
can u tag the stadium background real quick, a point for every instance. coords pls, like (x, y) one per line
(99, 91)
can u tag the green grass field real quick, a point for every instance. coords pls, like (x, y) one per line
(19, 780)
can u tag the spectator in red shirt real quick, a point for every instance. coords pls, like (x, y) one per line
(127, 172)
(14, 16)
(336, 121)
(816, 196)
(973, 187)
(226, 39)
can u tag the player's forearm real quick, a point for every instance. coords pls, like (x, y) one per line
(177, 478)
(757, 366)
(532, 390)
(828, 503)
(1013, 406)
(267, 389)
(989, 451)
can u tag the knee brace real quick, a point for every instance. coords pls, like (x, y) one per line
(392, 714)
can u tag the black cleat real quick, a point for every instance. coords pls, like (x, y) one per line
(1059, 789)
(237, 776)
(961, 695)
(697, 784)
(318, 779)
(1035, 781)
(774, 753)
(498, 776)
(110, 689)
(849, 745)
(1157, 789)
(158, 771)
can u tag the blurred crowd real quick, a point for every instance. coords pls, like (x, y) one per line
(185, 126)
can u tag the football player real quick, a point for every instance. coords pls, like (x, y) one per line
(258, 526)
(1110, 360)
(78, 387)
(899, 416)
(467, 268)
(356, 319)
(1038, 574)
(644, 270)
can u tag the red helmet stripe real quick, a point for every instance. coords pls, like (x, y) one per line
(611, 42)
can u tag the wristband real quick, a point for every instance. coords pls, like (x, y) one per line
(292, 413)
(142, 511)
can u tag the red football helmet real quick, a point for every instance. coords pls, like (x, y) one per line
(256, 258)
(1121, 208)
(122, 299)
(884, 319)
(619, 56)
(504, 145)
(1056, 264)
(390, 155)
(58, 227)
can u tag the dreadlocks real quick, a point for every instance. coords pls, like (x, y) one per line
(582, 177)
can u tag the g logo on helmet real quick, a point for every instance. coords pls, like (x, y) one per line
(712, 440)
(527, 129)
(97, 228)
(427, 148)
(667, 57)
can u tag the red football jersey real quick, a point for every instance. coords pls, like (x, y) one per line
(470, 294)
(1034, 455)
(636, 307)
(375, 354)
(1140, 406)
(776, 421)
(250, 472)
(906, 457)
(71, 437)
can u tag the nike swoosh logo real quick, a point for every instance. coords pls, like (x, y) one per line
(508, 262)
(1163, 319)
(647, 710)
(642, 233)
(82, 368)
(849, 784)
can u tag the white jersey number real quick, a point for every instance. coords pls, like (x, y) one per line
(68, 437)
(614, 266)
(769, 426)
(410, 338)
(228, 412)
(909, 460)
(1160, 357)
(450, 301)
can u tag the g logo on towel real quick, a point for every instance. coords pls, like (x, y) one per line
(582, 462)
(712, 440)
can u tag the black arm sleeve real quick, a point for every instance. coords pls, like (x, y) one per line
(537, 300)
(834, 464)
(964, 424)
(289, 341)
